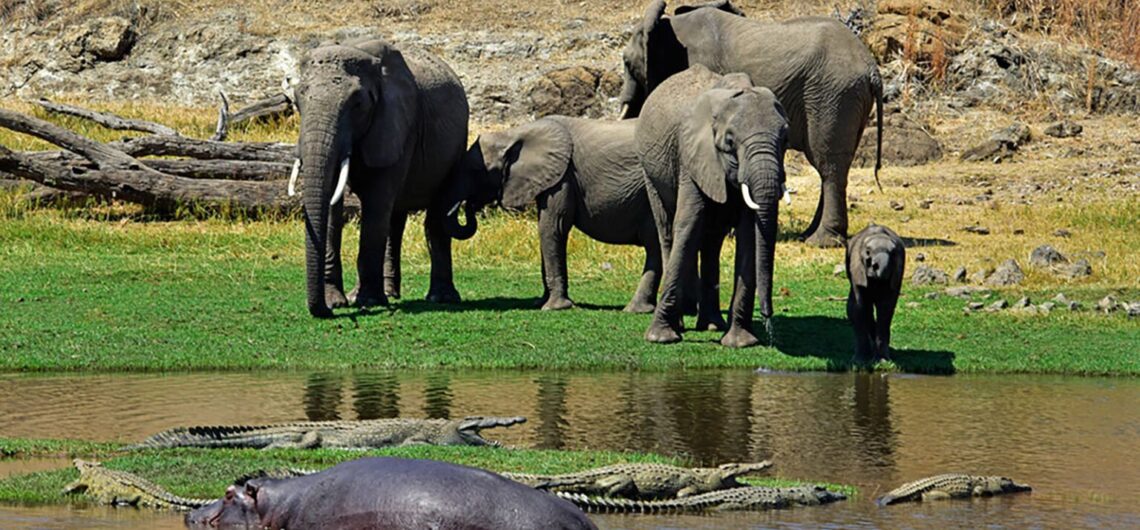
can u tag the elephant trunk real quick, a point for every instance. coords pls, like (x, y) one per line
(322, 166)
(763, 197)
(459, 231)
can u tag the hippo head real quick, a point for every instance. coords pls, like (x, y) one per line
(235, 510)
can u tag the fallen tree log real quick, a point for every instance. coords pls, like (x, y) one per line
(247, 170)
(205, 149)
(279, 105)
(108, 120)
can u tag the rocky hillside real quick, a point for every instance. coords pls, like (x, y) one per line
(517, 59)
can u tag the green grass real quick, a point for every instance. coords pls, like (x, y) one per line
(205, 473)
(116, 294)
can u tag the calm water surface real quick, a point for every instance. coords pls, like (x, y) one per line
(1076, 440)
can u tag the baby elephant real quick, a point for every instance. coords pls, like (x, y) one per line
(875, 261)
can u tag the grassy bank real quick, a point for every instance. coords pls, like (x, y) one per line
(205, 473)
(111, 293)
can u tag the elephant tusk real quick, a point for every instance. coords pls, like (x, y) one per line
(785, 194)
(293, 177)
(748, 197)
(338, 193)
(624, 111)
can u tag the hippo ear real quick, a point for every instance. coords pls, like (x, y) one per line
(856, 270)
(700, 161)
(535, 159)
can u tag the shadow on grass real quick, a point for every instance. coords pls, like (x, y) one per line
(830, 339)
(494, 303)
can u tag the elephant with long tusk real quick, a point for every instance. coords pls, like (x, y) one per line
(391, 125)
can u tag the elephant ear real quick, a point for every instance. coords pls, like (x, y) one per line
(534, 160)
(723, 5)
(699, 159)
(856, 270)
(396, 107)
(898, 261)
(664, 54)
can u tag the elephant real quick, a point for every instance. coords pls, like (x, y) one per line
(824, 76)
(875, 261)
(713, 151)
(392, 124)
(581, 173)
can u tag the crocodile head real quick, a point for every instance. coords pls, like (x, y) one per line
(736, 469)
(234, 510)
(824, 496)
(996, 485)
(468, 428)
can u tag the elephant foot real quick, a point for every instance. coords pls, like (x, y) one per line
(738, 337)
(334, 297)
(639, 307)
(825, 238)
(662, 333)
(392, 287)
(557, 304)
(713, 322)
(364, 298)
(443, 295)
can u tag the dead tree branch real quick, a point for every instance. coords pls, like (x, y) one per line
(204, 149)
(108, 120)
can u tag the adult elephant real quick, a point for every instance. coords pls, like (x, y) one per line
(393, 124)
(579, 173)
(824, 76)
(713, 151)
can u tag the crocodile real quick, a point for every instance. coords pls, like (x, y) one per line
(360, 434)
(750, 498)
(646, 481)
(121, 488)
(951, 486)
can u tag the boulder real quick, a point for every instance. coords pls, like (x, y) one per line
(1078, 269)
(1064, 129)
(573, 91)
(1006, 274)
(924, 275)
(1045, 256)
(905, 143)
(102, 39)
(960, 275)
(1001, 145)
(965, 291)
(1107, 304)
(922, 29)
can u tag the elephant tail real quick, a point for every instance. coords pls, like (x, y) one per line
(877, 90)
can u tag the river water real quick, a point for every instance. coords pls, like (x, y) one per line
(1075, 440)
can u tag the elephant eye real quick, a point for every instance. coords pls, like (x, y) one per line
(729, 141)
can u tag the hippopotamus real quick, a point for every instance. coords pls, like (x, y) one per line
(390, 493)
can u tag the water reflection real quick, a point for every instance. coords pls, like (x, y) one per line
(1073, 439)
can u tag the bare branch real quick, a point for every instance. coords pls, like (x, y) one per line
(205, 149)
(108, 120)
(222, 129)
(103, 155)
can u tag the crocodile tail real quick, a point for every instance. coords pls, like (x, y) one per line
(283, 473)
(886, 500)
(592, 504)
(191, 436)
(478, 423)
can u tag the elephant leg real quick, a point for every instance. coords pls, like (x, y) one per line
(833, 136)
(376, 201)
(740, 333)
(862, 324)
(441, 288)
(884, 313)
(709, 317)
(334, 273)
(667, 325)
(392, 254)
(646, 294)
(829, 225)
(555, 218)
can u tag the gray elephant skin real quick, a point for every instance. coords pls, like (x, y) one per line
(824, 76)
(713, 151)
(579, 173)
(876, 260)
(392, 124)
(393, 493)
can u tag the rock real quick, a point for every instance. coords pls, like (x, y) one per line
(932, 295)
(1107, 304)
(976, 229)
(1017, 135)
(1046, 256)
(974, 306)
(1064, 129)
(1000, 145)
(998, 305)
(1073, 305)
(959, 275)
(839, 270)
(920, 257)
(573, 91)
(1046, 307)
(930, 26)
(965, 291)
(924, 275)
(1078, 269)
(979, 276)
(1022, 303)
(913, 305)
(1061, 232)
(925, 203)
(1006, 274)
(103, 39)
(1061, 299)
(897, 206)
(1133, 309)
(1018, 231)
(905, 143)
